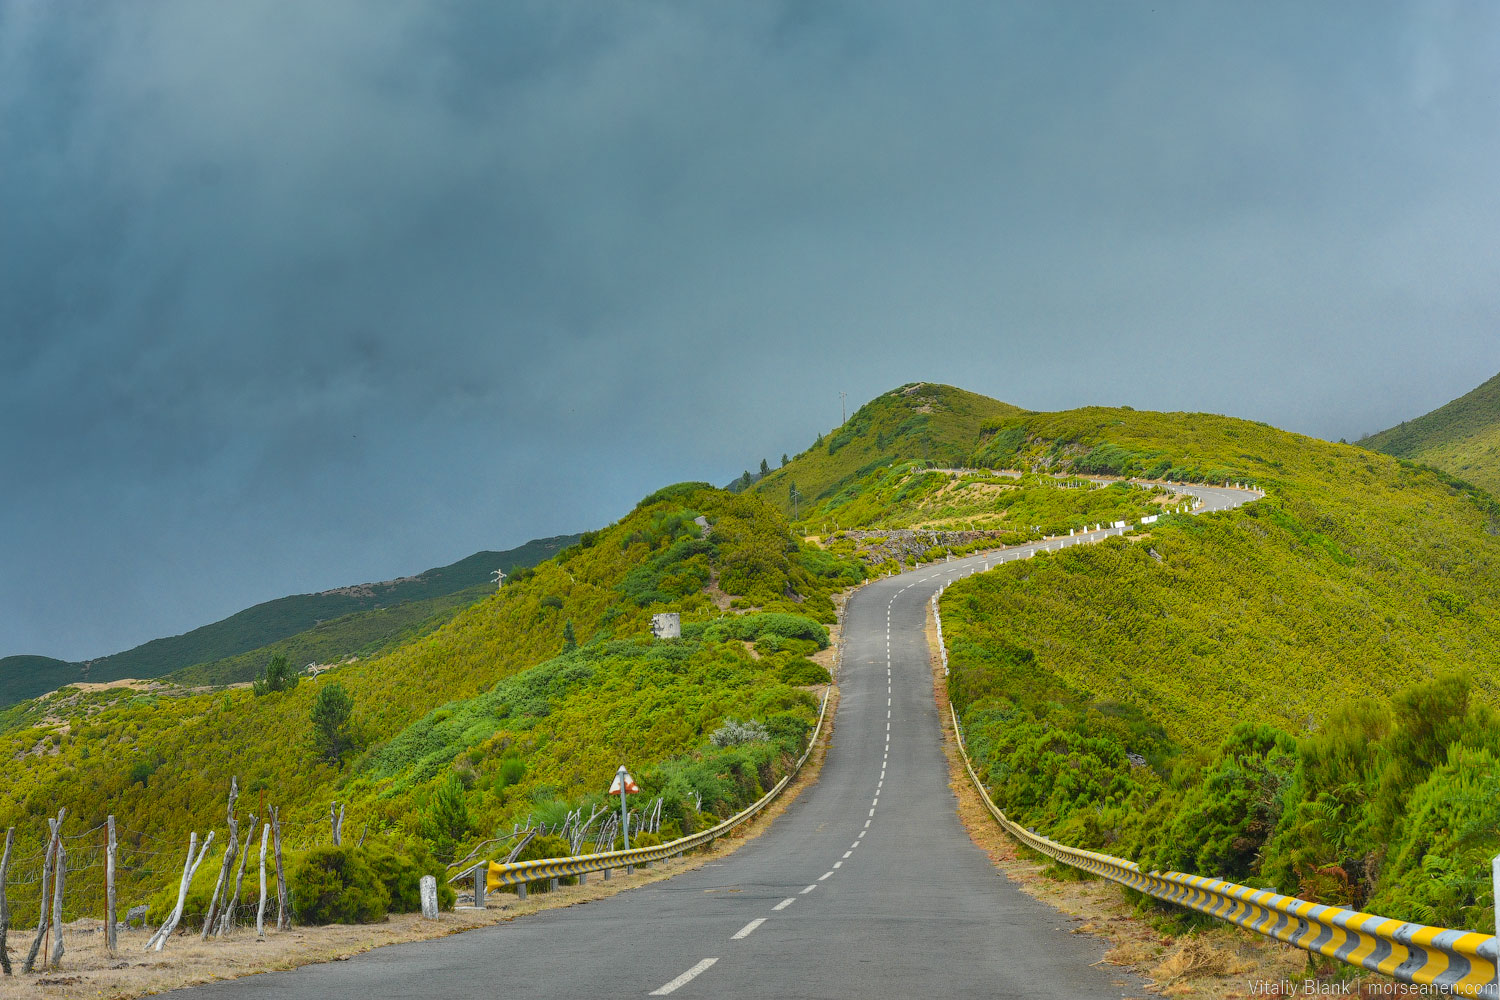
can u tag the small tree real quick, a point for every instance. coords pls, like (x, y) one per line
(278, 676)
(570, 642)
(447, 820)
(765, 468)
(784, 460)
(330, 718)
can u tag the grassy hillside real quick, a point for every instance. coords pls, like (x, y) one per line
(222, 647)
(920, 421)
(1284, 671)
(1461, 437)
(527, 699)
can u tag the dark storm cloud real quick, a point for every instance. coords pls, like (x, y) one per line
(297, 294)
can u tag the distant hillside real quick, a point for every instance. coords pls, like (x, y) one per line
(1462, 437)
(920, 421)
(23, 677)
(361, 634)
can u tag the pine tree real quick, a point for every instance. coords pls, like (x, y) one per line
(330, 718)
(765, 469)
(278, 676)
(569, 642)
(784, 460)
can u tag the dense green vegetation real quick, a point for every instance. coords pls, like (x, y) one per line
(348, 621)
(448, 738)
(1461, 437)
(1283, 694)
(1282, 673)
(921, 422)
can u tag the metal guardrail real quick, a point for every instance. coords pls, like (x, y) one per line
(501, 875)
(1458, 963)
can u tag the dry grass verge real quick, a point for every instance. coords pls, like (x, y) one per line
(89, 972)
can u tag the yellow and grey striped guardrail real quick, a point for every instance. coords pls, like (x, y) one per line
(501, 875)
(1448, 962)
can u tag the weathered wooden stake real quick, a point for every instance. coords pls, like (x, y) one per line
(111, 929)
(211, 916)
(283, 915)
(260, 914)
(41, 920)
(189, 869)
(226, 920)
(10, 836)
(336, 822)
(59, 875)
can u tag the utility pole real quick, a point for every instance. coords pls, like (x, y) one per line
(499, 576)
(843, 408)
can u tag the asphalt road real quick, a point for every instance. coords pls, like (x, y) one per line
(867, 886)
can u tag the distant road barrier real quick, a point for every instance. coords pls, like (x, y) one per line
(1460, 963)
(500, 875)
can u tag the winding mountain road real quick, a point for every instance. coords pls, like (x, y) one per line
(867, 886)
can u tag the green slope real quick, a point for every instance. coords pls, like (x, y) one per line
(920, 421)
(222, 647)
(1461, 437)
(496, 702)
(1304, 677)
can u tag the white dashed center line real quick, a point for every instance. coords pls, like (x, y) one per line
(824, 875)
(809, 889)
(685, 978)
(748, 929)
(785, 903)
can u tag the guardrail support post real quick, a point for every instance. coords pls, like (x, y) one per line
(552, 885)
(481, 877)
(583, 878)
(607, 873)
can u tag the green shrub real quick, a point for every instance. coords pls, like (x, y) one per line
(401, 874)
(801, 671)
(337, 885)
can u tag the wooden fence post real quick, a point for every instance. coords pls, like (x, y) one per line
(10, 836)
(189, 869)
(210, 916)
(59, 875)
(111, 939)
(260, 914)
(41, 921)
(226, 921)
(283, 914)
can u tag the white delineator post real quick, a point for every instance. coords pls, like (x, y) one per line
(428, 885)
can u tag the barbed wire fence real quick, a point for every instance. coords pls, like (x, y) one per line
(56, 872)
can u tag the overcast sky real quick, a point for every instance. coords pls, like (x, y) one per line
(296, 295)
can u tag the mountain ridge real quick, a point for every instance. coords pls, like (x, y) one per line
(1461, 437)
(26, 675)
